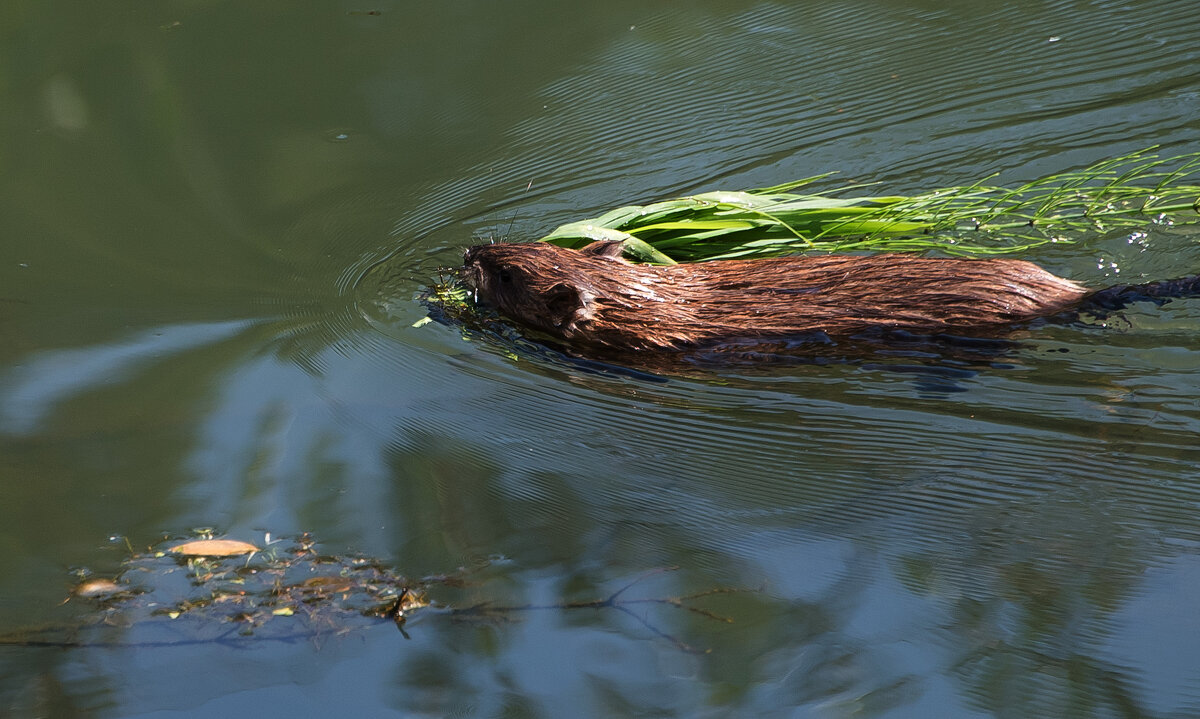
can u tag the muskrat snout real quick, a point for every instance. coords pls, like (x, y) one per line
(474, 271)
(486, 271)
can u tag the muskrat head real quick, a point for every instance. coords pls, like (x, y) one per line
(534, 283)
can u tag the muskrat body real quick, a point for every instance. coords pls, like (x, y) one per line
(593, 298)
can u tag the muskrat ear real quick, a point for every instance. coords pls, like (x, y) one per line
(605, 248)
(565, 305)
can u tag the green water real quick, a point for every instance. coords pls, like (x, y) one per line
(215, 218)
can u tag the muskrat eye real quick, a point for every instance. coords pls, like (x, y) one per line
(505, 277)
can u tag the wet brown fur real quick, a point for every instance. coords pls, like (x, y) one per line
(593, 298)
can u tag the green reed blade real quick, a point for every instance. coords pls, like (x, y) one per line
(763, 222)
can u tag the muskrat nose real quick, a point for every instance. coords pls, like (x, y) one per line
(469, 274)
(470, 269)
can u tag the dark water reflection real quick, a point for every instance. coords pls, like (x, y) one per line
(216, 219)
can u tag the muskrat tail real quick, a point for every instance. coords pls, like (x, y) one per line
(1120, 296)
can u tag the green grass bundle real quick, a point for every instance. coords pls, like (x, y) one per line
(1127, 192)
(980, 219)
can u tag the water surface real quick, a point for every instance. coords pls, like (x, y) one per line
(216, 218)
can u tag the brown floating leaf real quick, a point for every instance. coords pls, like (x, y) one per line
(97, 588)
(214, 548)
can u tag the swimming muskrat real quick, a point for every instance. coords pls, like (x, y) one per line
(592, 298)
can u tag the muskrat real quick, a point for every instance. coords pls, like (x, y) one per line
(592, 298)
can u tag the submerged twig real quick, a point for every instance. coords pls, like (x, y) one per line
(615, 601)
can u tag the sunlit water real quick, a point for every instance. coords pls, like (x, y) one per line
(216, 221)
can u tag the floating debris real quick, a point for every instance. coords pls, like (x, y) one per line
(98, 589)
(230, 580)
(244, 587)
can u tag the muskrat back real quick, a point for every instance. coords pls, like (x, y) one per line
(592, 297)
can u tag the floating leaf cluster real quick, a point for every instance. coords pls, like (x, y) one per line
(233, 581)
(242, 587)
